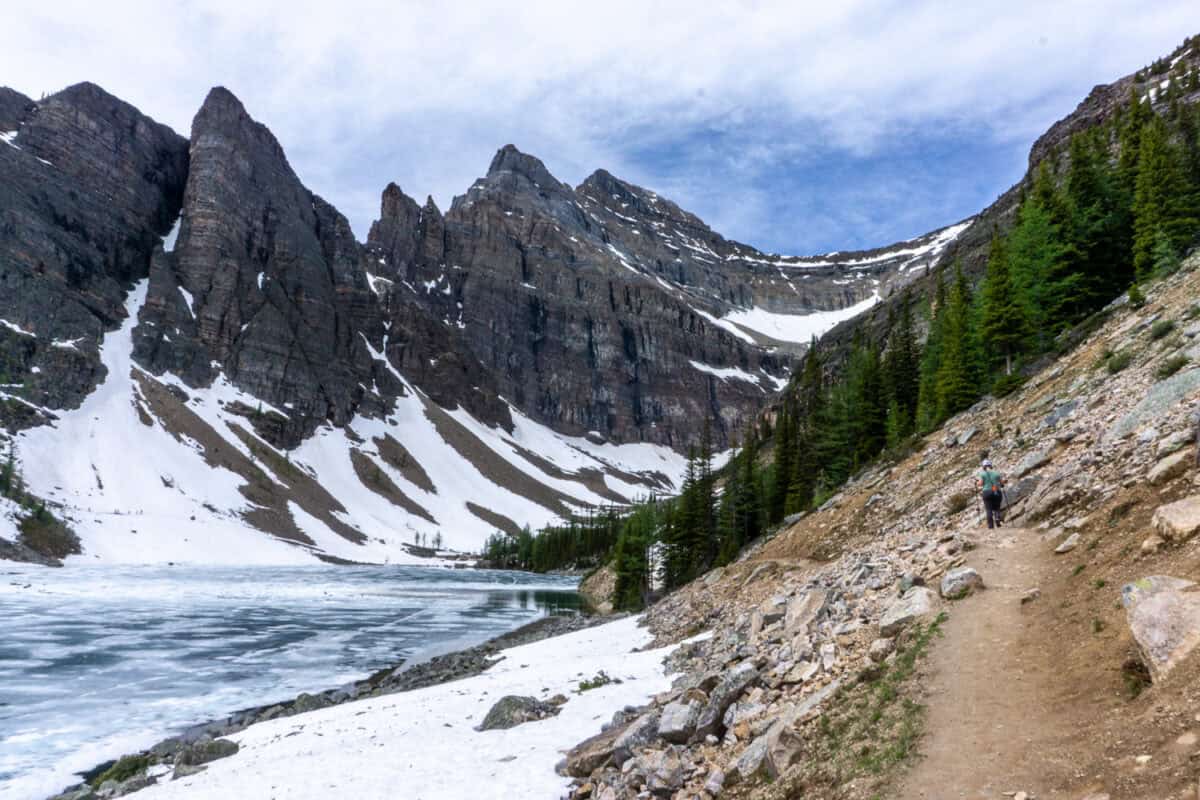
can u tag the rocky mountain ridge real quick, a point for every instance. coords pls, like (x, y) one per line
(248, 326)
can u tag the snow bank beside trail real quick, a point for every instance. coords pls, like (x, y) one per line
(422, 745)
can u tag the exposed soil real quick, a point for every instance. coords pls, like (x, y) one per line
(996, 719)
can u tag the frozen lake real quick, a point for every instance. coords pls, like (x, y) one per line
(98, 661)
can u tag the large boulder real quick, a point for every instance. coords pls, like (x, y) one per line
(614, 745)
(728, 689)
(917, 603)
(958, 583)
(803, 610)
(1163, 613)
(512, 710)
(1179, 520)
(678, 720)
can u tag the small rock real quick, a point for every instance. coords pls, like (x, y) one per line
(880, 649)
(1030, 596)
(1152, 544)
(1068, 544)
(715, 782)
(958, 583)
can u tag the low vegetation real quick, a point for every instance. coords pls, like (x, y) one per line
(869, 728)
(124, 769)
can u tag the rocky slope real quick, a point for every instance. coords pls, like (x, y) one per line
(534, 349)
(814, 677)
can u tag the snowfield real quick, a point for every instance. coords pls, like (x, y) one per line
(422, 745)
(138, 492)
(796, 328)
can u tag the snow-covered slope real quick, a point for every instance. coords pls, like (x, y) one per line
(150, 470)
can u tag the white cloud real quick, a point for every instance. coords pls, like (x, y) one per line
(361, 93)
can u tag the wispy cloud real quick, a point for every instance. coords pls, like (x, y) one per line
(791, 126)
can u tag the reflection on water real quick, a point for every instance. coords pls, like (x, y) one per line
(97, 661)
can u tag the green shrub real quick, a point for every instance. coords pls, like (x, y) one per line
(601, 678)
(125, 768)
(1118, 361)
(1136, 298)
(1007, 384)
(1161, 328)
(1171, 366)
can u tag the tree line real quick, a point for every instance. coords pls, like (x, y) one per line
(1120, 207)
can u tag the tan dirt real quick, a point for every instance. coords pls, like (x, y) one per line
(995, 723)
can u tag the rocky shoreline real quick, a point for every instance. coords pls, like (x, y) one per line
(187, 752)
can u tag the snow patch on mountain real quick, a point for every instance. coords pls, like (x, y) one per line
(141, 484)
(795, 328)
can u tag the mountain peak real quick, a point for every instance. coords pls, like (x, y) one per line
(510, 159)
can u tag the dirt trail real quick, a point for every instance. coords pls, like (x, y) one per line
(996, 722)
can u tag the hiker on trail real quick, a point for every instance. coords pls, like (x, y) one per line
(992, 485)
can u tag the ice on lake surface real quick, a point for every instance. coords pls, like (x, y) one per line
(100, 661)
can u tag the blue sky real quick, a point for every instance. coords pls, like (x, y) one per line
(795, 127)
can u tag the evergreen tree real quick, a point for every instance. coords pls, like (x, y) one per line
(1002, 325)
(957, 384)
(931, 358)
(1164, 217)
(785, 454)
(901, 374)
(1037, 252)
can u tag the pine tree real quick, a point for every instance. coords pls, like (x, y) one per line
(1037, 256)
(957, 386)
(1002, 325)
(931, 358)
(1162, 203)
(785, 453)
(901, 371)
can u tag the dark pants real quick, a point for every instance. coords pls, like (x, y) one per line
(991, 502)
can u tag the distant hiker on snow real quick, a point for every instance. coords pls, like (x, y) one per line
(992, 484)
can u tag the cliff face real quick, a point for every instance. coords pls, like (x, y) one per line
(534, 349)
(88, 186)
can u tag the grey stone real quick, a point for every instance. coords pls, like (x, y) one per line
(1173, 443)
(732, 684)
(880, 649)
(715, 782)
(1068, 544)
(1163, 613)
(958, 583)
(1170, 467)
(512, 710)
(1033, 461)
(678, 721)
(1178, 521)
(804, 609)
(917, 603)
(203, 752)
